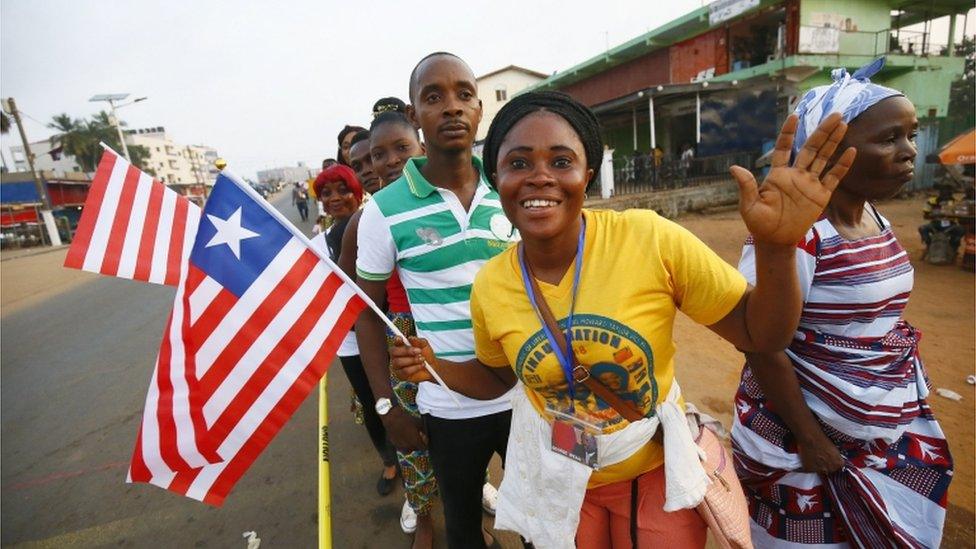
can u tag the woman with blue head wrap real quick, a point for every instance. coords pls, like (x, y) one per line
(834, 441)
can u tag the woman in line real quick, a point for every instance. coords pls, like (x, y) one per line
(341, 194)
(614, 281)
(389, 104)
(345, 141)
(392, 141)
(834, 440)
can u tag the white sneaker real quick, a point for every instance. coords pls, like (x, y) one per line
(408, 519)
(489, 498)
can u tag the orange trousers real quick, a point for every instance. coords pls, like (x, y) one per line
(605, 518)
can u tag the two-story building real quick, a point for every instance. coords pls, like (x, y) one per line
(497, 87)
(722, 78)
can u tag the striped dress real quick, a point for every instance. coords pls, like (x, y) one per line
(859, 370)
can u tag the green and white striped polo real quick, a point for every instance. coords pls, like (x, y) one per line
(438, 248)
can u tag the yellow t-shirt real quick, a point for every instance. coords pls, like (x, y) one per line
(638, 270)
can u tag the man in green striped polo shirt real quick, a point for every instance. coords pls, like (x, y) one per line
(437, 225)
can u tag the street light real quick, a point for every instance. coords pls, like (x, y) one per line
(111, 99)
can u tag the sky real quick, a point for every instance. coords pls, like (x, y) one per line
(270, 84)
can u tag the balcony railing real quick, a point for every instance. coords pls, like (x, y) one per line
(639, 174)
(827, 40)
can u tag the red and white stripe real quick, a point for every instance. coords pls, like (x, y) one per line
(232, 370)
(132, 226)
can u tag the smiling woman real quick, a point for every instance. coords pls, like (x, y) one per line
(613, 283)
(340, 194)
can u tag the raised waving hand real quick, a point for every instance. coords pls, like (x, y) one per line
(791, 198)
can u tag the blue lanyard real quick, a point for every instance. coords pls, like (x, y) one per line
(567, 360)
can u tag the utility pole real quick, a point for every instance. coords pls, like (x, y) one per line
(48, 217)
(111, 98)
(118, 128)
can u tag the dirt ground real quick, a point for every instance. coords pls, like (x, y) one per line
(941, 306)
(35, 276)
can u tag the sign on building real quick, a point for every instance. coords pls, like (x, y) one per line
(723, 10)
(819, 40)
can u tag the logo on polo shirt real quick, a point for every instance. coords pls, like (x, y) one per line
(430, 236)
(501, 227)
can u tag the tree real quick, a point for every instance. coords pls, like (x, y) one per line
(81, 139)
(73, 139)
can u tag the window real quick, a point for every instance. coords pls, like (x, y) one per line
(501, 93)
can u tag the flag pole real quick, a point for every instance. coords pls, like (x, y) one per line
(342, 275)
(325, 494)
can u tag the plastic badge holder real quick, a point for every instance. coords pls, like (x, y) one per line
(574, 437)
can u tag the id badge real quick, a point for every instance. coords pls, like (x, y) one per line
(574, 438)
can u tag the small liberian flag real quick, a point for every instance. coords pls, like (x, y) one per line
(132, 226)
(256, 322)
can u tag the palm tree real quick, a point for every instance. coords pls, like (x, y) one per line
(74, 138)
(82, 139)
(102, 127)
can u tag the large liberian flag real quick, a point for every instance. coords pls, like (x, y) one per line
(256, 321)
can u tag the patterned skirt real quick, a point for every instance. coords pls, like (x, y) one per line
(418, 475)
(893, 488)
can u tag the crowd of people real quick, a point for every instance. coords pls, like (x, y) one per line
(552, 325)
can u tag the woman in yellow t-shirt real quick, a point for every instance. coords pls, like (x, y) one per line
(614, 282)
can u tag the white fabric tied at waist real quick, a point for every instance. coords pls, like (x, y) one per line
(542, 492)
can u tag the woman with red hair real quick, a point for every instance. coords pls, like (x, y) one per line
(341, 194)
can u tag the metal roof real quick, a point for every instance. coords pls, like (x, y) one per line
(513, 68)
(687, 26)
(696, 22)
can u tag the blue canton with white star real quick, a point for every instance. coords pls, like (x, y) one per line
(219, 260)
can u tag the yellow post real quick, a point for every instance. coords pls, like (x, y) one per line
(325, 497)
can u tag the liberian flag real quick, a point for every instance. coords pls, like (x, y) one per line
(132, 226)
(257, 319)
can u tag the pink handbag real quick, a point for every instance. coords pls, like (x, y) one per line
(724, 508)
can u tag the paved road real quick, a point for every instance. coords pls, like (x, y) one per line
(75, 369)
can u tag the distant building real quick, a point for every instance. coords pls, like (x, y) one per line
(723, 77)
(286, 174)
(203, 161)
(497, 87)
(46, 158)
(188, 169)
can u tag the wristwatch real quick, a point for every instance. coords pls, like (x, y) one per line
(383, 406)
